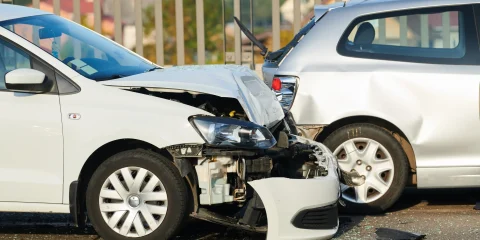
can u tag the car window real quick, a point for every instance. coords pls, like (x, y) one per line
(438, 30)
(11, 58)
(410, 35)
(88, 53)
(414, 35)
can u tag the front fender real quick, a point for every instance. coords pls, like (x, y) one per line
(121, 115)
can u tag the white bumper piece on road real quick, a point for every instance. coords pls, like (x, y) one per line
(285, 199)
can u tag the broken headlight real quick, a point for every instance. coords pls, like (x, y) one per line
(228, 132)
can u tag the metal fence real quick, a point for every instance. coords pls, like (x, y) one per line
(237, 56)
(179, 11)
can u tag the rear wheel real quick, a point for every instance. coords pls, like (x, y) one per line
(375, 154)
(136, 194)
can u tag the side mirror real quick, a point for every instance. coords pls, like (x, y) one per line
(26, 80)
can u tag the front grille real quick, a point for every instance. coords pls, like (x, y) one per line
(259, 165)
(317, 218)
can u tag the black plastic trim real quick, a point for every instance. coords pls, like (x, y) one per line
(317, 218)
(77, 215)
(73, 202)
(290, 121)
(69, 81)
(28, 88)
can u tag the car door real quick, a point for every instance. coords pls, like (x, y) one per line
(420, 71)
(31, 142)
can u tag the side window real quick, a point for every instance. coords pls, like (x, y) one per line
(11, 58)
(436, 35)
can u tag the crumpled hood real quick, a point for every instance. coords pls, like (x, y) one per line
(230, 81)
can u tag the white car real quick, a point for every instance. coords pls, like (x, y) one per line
(392, 88)
(89, 126)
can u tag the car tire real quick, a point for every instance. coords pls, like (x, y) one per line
(153, 191)
(374, 153)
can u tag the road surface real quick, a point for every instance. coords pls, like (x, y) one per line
(440, 214)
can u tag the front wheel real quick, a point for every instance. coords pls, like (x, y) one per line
(136, 194)
(375, 154)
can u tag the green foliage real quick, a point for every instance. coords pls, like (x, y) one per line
(213, 20)
(262, 10)
(22, 2)
(213, 30)
(262, 16)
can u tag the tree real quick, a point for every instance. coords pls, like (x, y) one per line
(213, 27)
(22, 2)
(213, 31)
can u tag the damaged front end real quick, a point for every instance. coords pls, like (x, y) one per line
(260, 177)
(252, 165)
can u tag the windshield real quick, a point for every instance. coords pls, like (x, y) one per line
(86, 52)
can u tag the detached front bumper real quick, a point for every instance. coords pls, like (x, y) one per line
(302, 208)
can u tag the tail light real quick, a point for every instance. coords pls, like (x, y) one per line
(276, 84)
(285, 88)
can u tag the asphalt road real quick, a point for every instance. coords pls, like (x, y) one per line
(439, 214)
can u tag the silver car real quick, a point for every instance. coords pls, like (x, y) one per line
(392, 88)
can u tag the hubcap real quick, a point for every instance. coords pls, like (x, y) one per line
(133, 202)
(371, 160)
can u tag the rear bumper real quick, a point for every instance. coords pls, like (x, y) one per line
(288, 202)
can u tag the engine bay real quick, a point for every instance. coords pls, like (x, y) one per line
(220, 176)
(218, 106)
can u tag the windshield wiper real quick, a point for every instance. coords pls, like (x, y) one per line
(153, 69)
(264, 50)
(111, 77)
(117, 76)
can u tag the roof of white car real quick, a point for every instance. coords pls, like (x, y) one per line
(10, 11)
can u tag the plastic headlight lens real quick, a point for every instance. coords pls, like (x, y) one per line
(228, 132)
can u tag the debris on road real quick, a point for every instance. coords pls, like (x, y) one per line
(477, 206)
(393, 234)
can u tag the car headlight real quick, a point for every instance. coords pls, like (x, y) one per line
(228, 132)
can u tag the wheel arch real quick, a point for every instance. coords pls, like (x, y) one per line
(109, 149)
(78, 193)
(387, 125)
